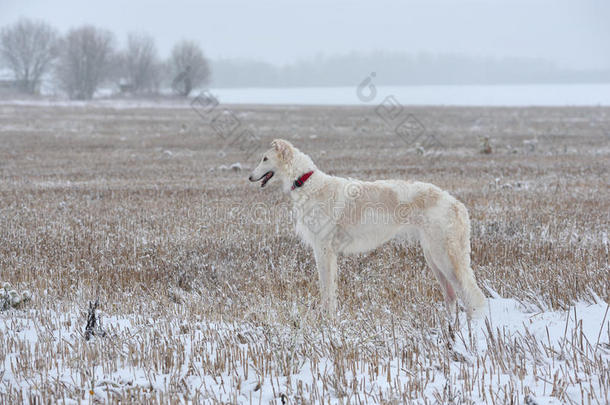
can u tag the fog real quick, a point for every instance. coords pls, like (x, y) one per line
(556, 38)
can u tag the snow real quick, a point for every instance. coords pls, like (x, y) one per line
(550, 335)
(464, 95)
(117, 104)
(236, 167)
(474, 95)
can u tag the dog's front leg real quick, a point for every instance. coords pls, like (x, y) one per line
(326, 261)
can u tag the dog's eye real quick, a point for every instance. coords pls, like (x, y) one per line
(265, 159)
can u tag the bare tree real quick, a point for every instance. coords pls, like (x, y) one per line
(28, 48)
(140, 64)
(188, 67)
(85, 61)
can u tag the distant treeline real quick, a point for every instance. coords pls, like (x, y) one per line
(397, 69)
(86, 58)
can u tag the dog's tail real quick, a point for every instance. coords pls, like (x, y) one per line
(473, 297)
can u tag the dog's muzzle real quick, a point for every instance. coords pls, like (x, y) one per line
(265, 178)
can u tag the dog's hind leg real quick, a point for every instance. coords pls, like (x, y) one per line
(446, 287)
(326, 261)
(448, 293)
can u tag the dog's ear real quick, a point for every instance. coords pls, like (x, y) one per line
(283, 148)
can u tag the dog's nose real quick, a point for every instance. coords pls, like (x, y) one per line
(250, 178)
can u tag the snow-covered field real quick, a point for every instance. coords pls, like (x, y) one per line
(549, 357)
(467, 95)
(597, 94)
(206, 295)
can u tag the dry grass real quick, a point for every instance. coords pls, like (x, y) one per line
(197, 285)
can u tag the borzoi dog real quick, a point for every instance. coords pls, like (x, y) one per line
(336, 215)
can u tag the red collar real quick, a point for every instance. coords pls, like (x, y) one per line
(299, 182)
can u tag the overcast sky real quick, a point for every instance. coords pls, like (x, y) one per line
(574, 34)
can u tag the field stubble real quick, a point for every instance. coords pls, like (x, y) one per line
(204, 297)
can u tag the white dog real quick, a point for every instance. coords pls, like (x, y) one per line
(337, 215)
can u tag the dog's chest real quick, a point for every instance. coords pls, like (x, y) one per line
(312, 221)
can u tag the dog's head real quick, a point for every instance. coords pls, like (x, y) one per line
(274, 161)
